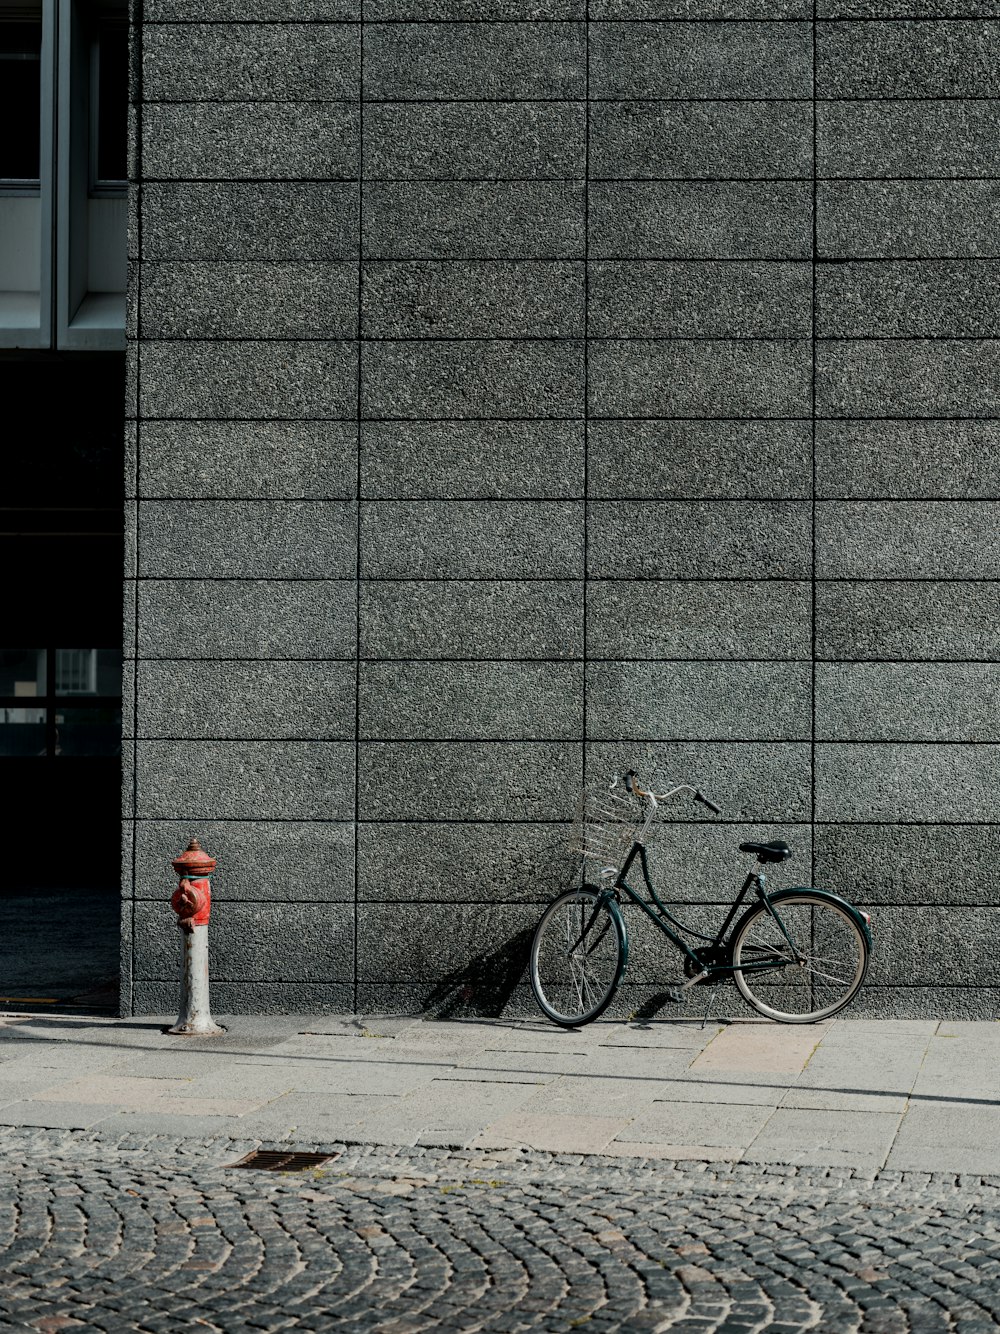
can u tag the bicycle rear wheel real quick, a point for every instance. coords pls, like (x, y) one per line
(577, 957)
(815, 979)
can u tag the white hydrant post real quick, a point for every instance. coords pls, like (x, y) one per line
(192, 902)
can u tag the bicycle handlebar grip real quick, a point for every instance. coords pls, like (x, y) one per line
(630, 778)
(698, 796)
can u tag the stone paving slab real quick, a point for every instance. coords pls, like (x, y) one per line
(842, 1094)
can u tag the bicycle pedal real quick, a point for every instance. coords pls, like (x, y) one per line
(675, 996)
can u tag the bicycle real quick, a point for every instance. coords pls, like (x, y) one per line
(796, 956)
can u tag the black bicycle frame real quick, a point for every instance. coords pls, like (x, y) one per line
(661, 916)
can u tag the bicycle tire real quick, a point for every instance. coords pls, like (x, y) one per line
(833, 946)
(579, 990)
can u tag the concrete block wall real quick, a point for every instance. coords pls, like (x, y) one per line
(524, 391)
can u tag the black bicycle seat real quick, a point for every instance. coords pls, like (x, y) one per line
(778, 851)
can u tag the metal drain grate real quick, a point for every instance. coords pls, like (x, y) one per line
(280, 1160)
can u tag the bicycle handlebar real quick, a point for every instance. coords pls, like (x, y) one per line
(632, 785)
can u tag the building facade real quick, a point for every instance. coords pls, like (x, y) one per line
(517, 392)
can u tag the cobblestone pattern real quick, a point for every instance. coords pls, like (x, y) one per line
(157, 1236)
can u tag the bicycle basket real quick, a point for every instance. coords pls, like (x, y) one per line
(606, 826)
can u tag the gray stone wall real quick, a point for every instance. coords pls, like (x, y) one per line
(522, 393)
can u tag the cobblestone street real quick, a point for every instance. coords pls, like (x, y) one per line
(158, 1235)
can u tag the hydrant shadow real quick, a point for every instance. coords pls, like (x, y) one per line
(484, 986)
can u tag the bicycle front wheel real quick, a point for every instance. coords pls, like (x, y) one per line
(811, 974)
(577, 957)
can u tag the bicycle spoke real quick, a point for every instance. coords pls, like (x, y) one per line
(575, 957)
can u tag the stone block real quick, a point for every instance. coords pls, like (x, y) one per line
(253, 942)
(128, 698)
(471, 539)
(913, 701)
(237, 998)
(131, 460)
(703, 9)
(129, 616)
(907, 138)
(753, 782)
(473, 220)
(906, 9)
(253, 700)
(286, 141)
(908, 620)
(912, 378)
(906, 59)
(249, 300)
(456, 141)
(681, 701)
(468, 780)
(933, 299)
(700, 863)
(909, 459)
(921, 946)
(433, 61)
(700, 219)
(495, 459)
(710, 459)
(249, 459)
(128, 782)
(245, 221)
(503, 701)
(249, 11)
(690, 540)
(908, 219)
(472, 10)
(222, 62)
(682, 378)
(917, 539)
(249, 380)
(478, 619)
(699, 619)
(246, 780)
(293, 860)
(305, 618)
(489, 378)
(918, 782)
(719, 60)
(130, 517)
(701, 140)
(473, 299)
(909, 864)
(464, 863)
(483, 947)
(699, 299)
(250, 539)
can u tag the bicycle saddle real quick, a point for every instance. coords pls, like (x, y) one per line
(778, 851)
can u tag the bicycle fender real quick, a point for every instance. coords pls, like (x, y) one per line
(830, 897)
(615, 910)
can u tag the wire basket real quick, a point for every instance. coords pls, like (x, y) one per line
(606, 825)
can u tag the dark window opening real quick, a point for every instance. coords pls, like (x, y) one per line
(20, 102)
(108, 100)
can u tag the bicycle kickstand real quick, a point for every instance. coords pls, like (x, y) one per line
(678, 993)
(711, 1002)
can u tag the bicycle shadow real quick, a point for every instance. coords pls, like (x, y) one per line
(482, 987)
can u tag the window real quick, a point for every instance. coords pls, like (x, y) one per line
(39, 712)
(63, 173)
(108, 100)
(21, 102)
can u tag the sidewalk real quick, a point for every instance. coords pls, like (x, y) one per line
(921, 1095)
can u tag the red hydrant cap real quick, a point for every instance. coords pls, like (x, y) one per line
(194, 862)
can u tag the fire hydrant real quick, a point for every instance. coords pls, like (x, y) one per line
(192, 902)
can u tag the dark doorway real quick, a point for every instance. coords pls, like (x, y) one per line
(61, 547)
